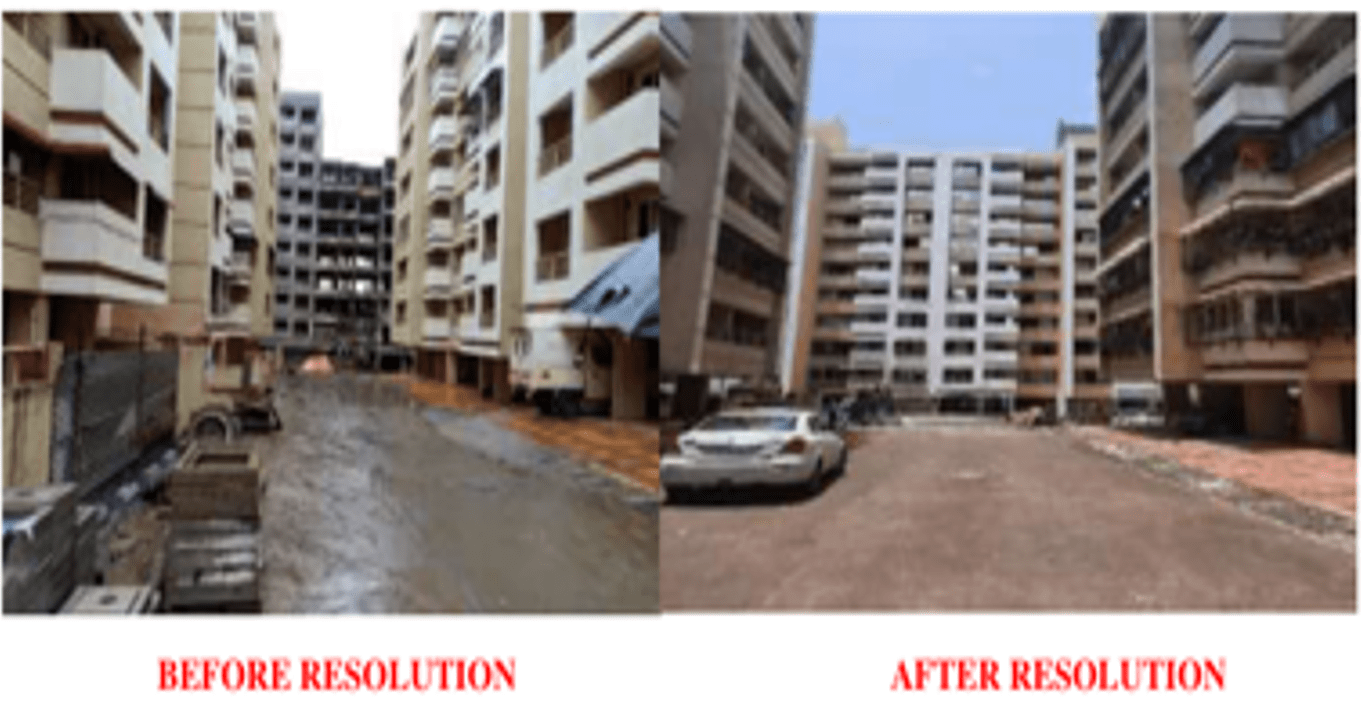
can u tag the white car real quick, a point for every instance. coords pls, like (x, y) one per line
(769, 446)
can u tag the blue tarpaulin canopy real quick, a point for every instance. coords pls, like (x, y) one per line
(626, 294)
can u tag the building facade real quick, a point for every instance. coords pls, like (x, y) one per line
(954, 281)
(90, 129)
(528, 162)
(334, 258)
(1228, 276)
(733, 95)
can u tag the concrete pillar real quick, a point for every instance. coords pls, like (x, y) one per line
(629, 378)
(498, 371)
(1267, 411)
(450, 361)
(1321, 417)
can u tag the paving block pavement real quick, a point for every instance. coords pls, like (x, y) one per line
(1321, 477)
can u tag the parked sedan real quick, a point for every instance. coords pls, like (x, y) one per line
(775, 446)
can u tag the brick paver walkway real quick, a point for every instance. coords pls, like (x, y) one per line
(1318, 476)
(628, 449)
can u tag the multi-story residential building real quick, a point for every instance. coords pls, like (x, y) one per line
(90, 125)
(1228, 180)
(223, 218)
(334, 257)
(963, 281)
(733, 95)
(528, 162)
(460, 195)
(593, 188)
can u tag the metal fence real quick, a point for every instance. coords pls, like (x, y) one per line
(107, 408)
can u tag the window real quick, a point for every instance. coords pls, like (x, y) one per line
(911, 320)
(958, 376)
(306, 142)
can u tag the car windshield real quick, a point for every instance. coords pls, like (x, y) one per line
(750, 423)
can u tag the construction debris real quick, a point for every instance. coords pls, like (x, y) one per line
(216, 480)
(111, 600)
(213, 565)
(39, 547)
(213, 554)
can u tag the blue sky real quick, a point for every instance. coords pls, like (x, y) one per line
(954, 82)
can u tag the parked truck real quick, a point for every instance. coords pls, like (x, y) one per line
(563, 371)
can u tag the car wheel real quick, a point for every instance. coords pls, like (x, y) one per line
(815, 483)
(840, 463)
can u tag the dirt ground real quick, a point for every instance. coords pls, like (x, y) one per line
(629, 450)
(992, 518)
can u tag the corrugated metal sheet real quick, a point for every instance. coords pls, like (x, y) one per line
(626, 294)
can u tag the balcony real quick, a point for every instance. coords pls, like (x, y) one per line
(248, 66)
(553, 266)
(246, 27)
(921, 178)
(436, 279)
(246, 116)
(1342, 65)
(244, 166)
(556, 45)
(441, 182)
(444, 87)
(90, 82)
(846, 182)
(1246, 104)
(433, 327)
(242, 218)
(1239, 40)
(631, 129)
(1038, 232)
(555, 155)
(671, 105)
(442, 134)
(101, 252)
(678, 36)
(239, 267)
(446, 34)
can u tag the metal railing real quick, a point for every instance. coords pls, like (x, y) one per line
(555, 266)
(557, 44)
(22, 194)
(555, 155)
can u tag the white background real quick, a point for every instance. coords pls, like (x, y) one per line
(678, 669)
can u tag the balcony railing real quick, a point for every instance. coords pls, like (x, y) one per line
(22, 194)
(555, 155)
(555, 266)
(556, 45)
(32, 27)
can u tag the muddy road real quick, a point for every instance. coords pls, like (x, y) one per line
(378, 504)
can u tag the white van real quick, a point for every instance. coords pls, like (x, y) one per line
(564, 371)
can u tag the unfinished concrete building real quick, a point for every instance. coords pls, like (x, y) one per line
(334, 257)
(954, 281)
(1228, 275)
(733, 95)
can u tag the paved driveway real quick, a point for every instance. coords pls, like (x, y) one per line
(999, 519)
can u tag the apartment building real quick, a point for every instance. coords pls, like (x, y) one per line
(1228, 225)
(528, 162)
(954, 281)
(593, 188)
(459, 199)
(733, 95)
(90, 121)
(334, 257)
